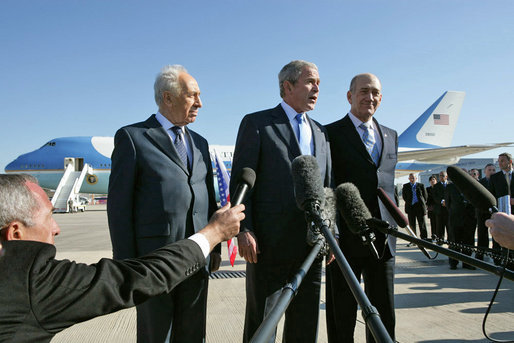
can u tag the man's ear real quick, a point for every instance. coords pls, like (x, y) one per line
(14, 231)
(349, 97)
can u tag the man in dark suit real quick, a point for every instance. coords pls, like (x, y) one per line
(461, 225)
(273, 235)
(40, 296)
(415, 196)
(364, 153)
(161, 191)
(440, 209)
(501, 185)
(430, 205)
(483, 215)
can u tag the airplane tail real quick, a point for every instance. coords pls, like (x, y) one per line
(435, 127)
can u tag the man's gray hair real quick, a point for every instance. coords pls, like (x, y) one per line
(17, 203)
(291, 72)
(167, 80)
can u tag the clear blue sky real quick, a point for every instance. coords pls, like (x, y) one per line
(81, 68)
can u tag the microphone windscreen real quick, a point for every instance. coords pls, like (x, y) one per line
(247, 176)
(472, 190)
(391, 207)
(308, 186)
(352, 207)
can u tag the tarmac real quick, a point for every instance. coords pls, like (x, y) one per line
(433, 303)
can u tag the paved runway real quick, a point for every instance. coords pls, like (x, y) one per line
(433, 303)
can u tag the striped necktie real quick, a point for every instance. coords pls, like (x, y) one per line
(180, 145)
(369, 142)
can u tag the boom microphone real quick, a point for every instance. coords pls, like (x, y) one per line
(472, 190)
(308, 186)
(355, 214)
(245, 183)
(398, 216)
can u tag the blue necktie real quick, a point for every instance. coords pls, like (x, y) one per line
(414, 195)
(304, 135)
(180, 145)
(369, 142)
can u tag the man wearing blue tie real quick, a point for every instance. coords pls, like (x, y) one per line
(273, 236)
(415, 196)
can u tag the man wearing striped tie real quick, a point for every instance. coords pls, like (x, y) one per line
(160, 192)
(365, 154)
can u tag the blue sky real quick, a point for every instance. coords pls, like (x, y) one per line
(86, 68)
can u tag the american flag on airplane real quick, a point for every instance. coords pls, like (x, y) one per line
(223, 185)
(441, 119)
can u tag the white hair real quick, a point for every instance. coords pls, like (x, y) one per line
(167, 80)
(17, 203)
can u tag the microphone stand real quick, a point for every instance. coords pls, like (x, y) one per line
(270, 322)
(385, 228)
(369, 312)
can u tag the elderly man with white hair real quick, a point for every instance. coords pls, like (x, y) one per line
(161, 191)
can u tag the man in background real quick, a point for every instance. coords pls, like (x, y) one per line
(483, 215)
(415, 196)
(440, 209)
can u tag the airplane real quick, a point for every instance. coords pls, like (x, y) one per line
(423, 145)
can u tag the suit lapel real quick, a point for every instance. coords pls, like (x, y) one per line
(354, 139)
(284, 129)
(162, 140)
(195, 152)
(383, 137)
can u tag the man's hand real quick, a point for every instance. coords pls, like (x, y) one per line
(502, 229)
(224, 224)
(215, 262)
(248, 247)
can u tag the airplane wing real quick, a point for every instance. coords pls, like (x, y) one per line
(443, 155)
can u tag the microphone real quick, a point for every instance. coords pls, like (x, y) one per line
(473, 191)
(310, 196)
(398, 216)
(244, 185)
(308, 186)
(355, 214)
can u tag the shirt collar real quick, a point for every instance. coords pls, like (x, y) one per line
(165, 123)
(290, 112)
(357, 122)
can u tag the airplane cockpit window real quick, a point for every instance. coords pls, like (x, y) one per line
(49, 144)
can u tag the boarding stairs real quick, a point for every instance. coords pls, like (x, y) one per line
(69, 188)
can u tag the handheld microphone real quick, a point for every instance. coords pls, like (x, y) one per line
(355, 214)
(472, 190)
(244, 185)
(398, 216)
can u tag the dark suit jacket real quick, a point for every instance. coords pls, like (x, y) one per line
(351, 162)
(267, 143)
(421, 193)
(498, 186)
(456, 205)
(153, 199)
(439, 193)
(40, 296)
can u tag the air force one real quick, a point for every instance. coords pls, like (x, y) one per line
(72, 165)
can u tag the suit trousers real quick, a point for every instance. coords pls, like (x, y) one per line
(482, 232)
(416, 213)
(175, 317)
(342, 306)
(264, 283)
(442, 222)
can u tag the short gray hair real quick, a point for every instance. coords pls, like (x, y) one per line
(17, 203)
(291, 72)
(167, 80)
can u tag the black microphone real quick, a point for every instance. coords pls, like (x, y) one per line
(472, 190)
(355, 214)
(310, 196)
(244, 185)
(398, 216)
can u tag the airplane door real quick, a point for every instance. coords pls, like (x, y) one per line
(76, 162)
